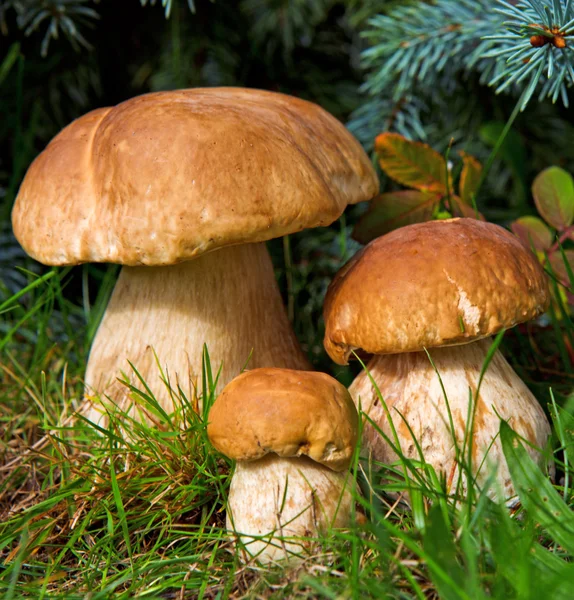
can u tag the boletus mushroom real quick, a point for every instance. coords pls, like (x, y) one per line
(183, 188)
(292, 434)
(445, 286)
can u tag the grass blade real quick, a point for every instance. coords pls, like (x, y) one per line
(536, 493)
(438, 543)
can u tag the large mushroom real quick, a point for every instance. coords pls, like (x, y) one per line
(184, 188)
(445, 286)
(292, 434)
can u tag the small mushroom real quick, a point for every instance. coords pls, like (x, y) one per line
(183, 188)
(292, 434)
(445, 286)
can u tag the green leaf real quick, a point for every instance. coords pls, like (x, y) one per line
(553, 191)
(393, 210)
(553, 576)
(502, 533)
(563, 422)
(567, 423)
(536, 493)
(412, 164)
(469, 177)
(533, 231)
(532, 570)
(439, 545)
(460, 209)
(9, 61)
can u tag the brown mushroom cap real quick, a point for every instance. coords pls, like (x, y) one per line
(290, 413)
(432, 284)
(165, 177)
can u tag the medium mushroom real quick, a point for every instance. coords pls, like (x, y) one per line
(184, 188)
(445, 286)
(292, 434)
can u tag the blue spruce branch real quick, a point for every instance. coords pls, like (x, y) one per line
(425, 51)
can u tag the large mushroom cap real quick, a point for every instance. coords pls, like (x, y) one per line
(289, 413)
(165, 177)
(432, 284)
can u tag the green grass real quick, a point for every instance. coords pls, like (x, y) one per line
(94, 514)
(100, 514)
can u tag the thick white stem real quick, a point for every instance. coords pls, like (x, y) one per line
(411, 388)
(227, 299)
(274, 501)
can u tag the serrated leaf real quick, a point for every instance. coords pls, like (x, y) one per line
(553, 191)
(393, 210)
(412, 164)
(469, 177)
(536, 493)
(460, 209)
(533, 231)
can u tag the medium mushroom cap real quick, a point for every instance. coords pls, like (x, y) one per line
(439, 283)
(286, 412)
(165, 177)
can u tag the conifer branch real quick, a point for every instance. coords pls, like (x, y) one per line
(54, 17)
(425, 50)
(536, 52)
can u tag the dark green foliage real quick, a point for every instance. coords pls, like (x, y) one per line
(51, 18)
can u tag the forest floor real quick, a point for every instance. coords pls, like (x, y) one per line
(89, 512)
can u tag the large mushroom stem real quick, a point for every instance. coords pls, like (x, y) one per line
(411, 388)
(275, 502)
(227, 299)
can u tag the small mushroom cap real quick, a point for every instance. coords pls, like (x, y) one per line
(439, 283)
(165, 177)
(290, 413)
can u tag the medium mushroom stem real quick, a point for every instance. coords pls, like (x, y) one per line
(286, 498)
(410, 386)
(227, 299)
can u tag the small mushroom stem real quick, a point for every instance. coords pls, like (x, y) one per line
(227, 299)
(275, 502)
(411, 388)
